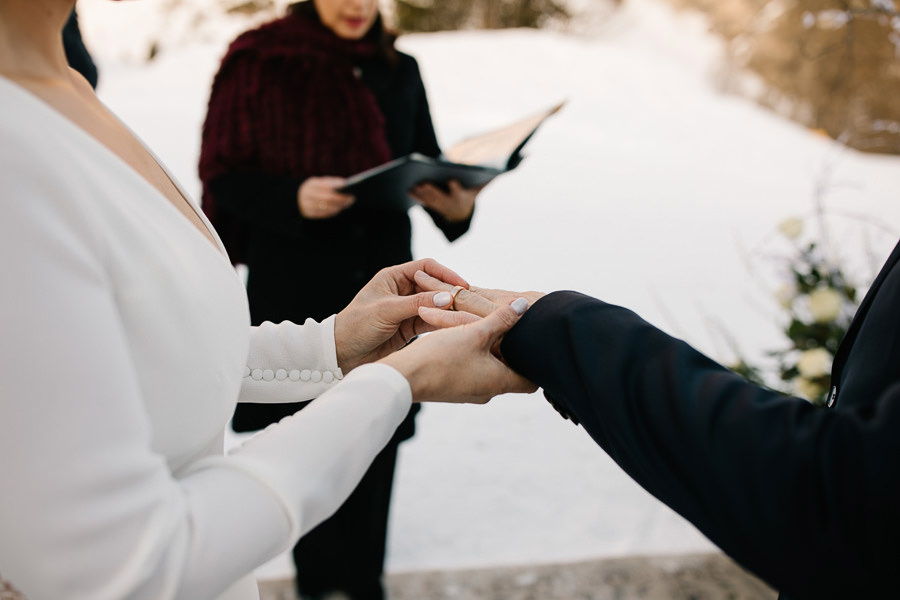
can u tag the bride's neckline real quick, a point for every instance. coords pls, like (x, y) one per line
(199, 223)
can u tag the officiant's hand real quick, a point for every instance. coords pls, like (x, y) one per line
(383, 316)
(457, 204)
(460, 364)
(318, 197)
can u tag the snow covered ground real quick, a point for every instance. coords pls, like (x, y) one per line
(651, 189)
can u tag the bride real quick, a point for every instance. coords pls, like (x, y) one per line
(126, 344)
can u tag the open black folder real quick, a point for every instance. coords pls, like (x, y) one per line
(473, 162)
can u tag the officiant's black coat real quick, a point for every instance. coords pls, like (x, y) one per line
(806, 498)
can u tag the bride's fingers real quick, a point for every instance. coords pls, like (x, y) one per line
(439, 272)
(495, 325)
(429, 283)
(502, 319)
(442, 319)
(518, 384)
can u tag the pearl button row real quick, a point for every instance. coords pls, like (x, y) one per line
(305, 375)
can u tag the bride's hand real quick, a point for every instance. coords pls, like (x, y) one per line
(458, 364)
(384, 314)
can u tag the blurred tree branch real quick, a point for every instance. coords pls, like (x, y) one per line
(440, 15)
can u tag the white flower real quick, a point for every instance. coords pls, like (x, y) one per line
(785, 294)
(814, 363)
(807, 389)
(791, 228)
(825, 304)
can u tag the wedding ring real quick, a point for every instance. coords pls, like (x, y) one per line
(456, 289)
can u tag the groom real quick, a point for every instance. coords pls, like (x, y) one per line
(806, 498)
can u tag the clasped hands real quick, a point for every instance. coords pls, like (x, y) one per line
(459, 363)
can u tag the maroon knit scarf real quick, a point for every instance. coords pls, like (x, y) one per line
(287, 101)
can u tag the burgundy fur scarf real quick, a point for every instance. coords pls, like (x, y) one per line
(288, 101)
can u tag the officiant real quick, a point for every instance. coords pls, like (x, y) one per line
(298, 105)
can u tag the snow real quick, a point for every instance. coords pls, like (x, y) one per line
(650, 189)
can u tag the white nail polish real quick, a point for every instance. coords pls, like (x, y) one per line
(519, 305)
(442, 299)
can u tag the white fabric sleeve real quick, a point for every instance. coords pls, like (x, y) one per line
(87, 509)
(331, 442)
(307, 463)
(290, 363)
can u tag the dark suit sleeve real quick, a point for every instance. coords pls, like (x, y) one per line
(806, 498)
(425, 142)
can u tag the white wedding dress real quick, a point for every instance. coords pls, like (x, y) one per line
(124, 345)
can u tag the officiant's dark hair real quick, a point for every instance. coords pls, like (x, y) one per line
(378, 33)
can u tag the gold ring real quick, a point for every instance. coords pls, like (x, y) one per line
(456, 289)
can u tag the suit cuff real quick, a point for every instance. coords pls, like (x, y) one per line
(522, 346)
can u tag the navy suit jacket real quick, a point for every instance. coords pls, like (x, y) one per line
(806, 498)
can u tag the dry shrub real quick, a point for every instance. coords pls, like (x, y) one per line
(442, 15)
(833, 65)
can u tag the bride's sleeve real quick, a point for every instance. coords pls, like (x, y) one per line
(308, 463)
(290, 363)
(88, 509)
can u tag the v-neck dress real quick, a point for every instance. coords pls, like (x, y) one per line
(124, 345)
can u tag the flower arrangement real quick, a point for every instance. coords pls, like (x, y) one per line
(819, 301)
(816, 295)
